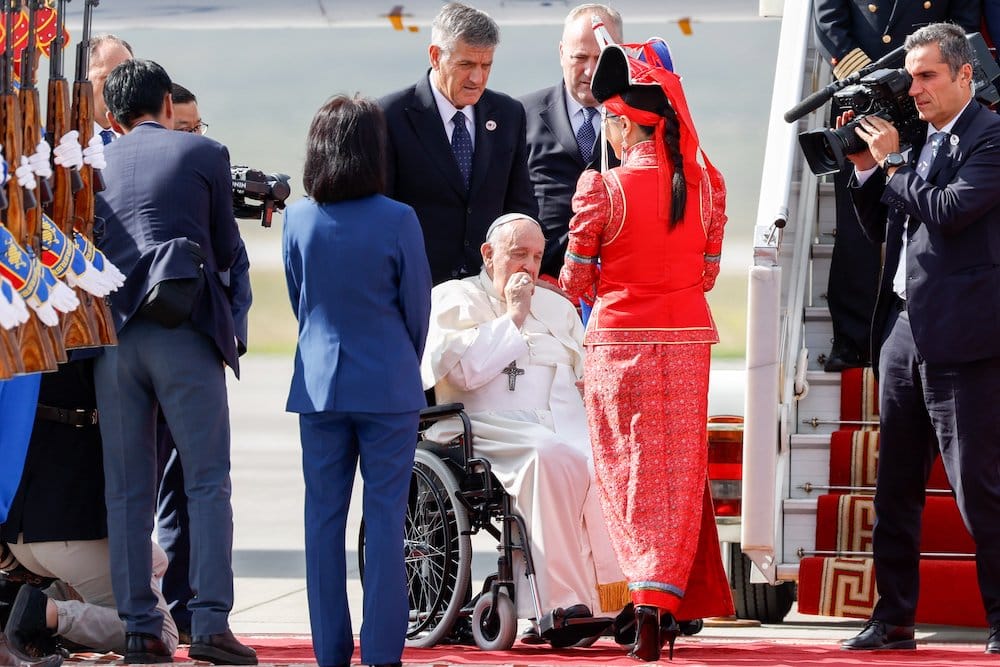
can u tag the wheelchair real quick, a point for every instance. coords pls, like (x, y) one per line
(454, 495)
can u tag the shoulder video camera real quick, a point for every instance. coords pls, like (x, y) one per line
(881, 89)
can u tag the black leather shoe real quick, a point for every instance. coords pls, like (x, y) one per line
(993, 641)
(10, 657)
(624, 625)
(8, 591)
(531, 637)
(221, 649)
(145, 649)
(26, 630)
(878, 635)
(842, 357)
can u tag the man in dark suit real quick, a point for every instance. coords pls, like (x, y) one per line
(169, 227)
(458, 180)
(564, 128)
(172, 529)
(851, 34)
(935, 325)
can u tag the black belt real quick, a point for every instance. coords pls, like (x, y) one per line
(77, 417)
(899, 304)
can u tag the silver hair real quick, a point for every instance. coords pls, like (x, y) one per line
(950, 38)
(457, 22)
(506, 219)
(98, 41)
(613, 17)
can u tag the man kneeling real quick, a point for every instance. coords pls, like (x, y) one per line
(512, 353)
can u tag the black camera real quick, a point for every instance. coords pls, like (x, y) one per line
(881, 89)
(271, 190)
(883, 93)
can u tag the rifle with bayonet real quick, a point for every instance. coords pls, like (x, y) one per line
(79, 326)
(82, 120)
(35, 342)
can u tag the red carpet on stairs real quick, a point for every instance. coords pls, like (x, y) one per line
(845, 586)
(688, 651)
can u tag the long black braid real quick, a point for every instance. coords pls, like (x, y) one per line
(651, 98)
(678, 186)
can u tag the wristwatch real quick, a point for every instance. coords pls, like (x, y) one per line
(893, 160)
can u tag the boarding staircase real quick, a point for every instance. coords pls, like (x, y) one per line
(811, 437)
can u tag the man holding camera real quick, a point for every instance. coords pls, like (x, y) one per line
(169, 226)
(851, 34)
(938, 212)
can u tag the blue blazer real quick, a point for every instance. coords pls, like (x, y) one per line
(423, 173)
(360, 287)
(165, 191)
(953, 253)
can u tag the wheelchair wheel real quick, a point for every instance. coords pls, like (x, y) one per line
(494, 633)
(438, 551)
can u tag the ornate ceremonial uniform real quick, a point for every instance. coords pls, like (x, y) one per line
(646, 378)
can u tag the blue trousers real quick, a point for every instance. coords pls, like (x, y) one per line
(180, 372)
(332, 444)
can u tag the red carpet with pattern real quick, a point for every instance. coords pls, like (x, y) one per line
(692, 651)
(845, 586)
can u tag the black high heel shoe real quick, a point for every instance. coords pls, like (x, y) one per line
(670, 629)
(647, 634)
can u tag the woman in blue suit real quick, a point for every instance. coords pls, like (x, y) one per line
(360, 286)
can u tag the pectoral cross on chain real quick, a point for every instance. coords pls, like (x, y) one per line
(512, 371)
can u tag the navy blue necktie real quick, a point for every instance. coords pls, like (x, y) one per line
(107, 136)
(461, 146)
(586, 136)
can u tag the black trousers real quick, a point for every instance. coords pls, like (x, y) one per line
(854, 272)
(929, 410)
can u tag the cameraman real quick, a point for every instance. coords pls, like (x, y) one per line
(172, 532)
(936, 320)
(851, 34)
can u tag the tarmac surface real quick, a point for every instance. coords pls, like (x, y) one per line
(268, 556)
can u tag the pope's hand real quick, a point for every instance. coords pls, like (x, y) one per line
(518, 293)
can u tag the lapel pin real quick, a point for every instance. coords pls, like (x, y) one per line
(492, 125)
(954, 140)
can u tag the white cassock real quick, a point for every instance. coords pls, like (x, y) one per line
(530, 422)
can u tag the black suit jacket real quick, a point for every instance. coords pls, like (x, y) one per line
(165, 191)
(423, 173)
(555, 165)
(953, 251)
(844, 25)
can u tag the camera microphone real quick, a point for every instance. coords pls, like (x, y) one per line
(892, 59)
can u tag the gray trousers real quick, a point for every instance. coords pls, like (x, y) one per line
(84, 566)
(181, 372)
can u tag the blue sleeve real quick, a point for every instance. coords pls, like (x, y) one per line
(292, 260)
(414, 281)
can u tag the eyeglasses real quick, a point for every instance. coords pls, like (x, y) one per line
(200, 128)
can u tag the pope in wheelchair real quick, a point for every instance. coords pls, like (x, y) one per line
(511, 351)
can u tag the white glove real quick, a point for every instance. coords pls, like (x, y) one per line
(61, 297)
(67, 262)
(25, 176)
(93, 154)
(13, 310)
(110, 272)
(69, 153)
(39, 160)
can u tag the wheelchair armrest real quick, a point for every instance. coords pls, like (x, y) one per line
(439, 412)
